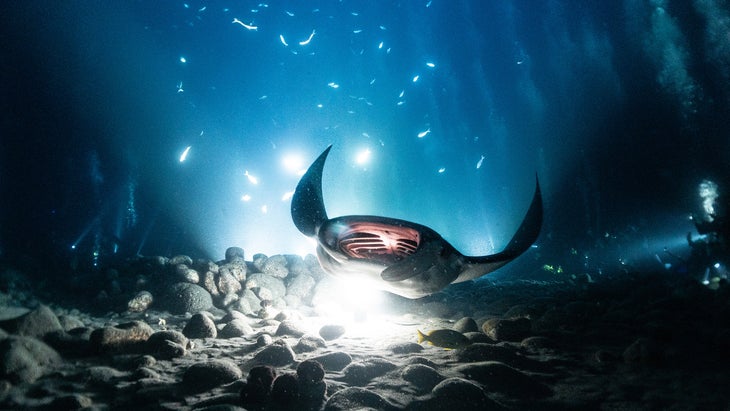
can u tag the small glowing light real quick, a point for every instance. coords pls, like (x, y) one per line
(73, 246)
(333, 84)
(430, 64)
(363, 156)
(287, 195)
(245, 197)
(183, 59)
(415, 78)
(253, 180)
(320, 105)
(717, 265)
(380, 46)
(264, 209)
(184, 155)
(442, 169)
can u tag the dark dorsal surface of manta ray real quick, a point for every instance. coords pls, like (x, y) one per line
(398, 256)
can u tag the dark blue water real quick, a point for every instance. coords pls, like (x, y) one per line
(440, 112)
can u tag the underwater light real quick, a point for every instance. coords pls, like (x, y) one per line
(293, 163)
(363, 156)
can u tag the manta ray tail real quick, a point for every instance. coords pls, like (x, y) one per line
(522, 240)
(307, 205)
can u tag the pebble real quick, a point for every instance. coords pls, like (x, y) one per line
(275, 266)
(331, 332)
(25, 359)
(466, 325)
(484, 352)
(361, 373)
(258, 385)
(285, 391)
(227, 283)
(210, 374)
(272, 284)
(290, 327)
(334, 361)
(355, 398)
(140, 302)
(234, 254)
(405, 348)
(309, 343)
(187, 298)
(36, 323)
(300, 286)
(499, 377)
(180, 259)
(68, 322)
(422, 376)
(200, 326)
(166, 345)
(277, 354)
(71, 402)
(126, 337)
(310, 371)
(514, 330)
(235, 328)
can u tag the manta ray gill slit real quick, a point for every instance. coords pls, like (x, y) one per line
(382, 242)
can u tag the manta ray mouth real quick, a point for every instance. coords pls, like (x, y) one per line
(381, 242)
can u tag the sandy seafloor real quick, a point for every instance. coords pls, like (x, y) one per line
(623, 341)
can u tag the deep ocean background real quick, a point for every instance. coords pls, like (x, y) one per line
(620, 107)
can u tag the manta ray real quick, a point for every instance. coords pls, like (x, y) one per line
(398, 256)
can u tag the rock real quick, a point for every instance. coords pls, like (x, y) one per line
(236, 328)
(72, 344)
(187, 298)
(180, 259)
(309, 343)
(203, 266)
(361, 373)
(242, 305)
(274, 285)
(456, 394)
(227, 283)
(643, 351)
(166, 345)
(405, 348)
(234, 254)
(68, 322)
(296, 265)
(275, 266)
(422, 376)
(485, 352)
(331, 332)
(478, 337)
(25, 359)
(285, 391)
(127, 337)
(499, 377)
(210, 374)
(185, 274)
(71, 402)
(310, 371)
(538, 343)
(209, 283)
(301, 285)
(140, 302)
(354, 398)
(258, 385)
(36, 323)
(288, 327)
(200, 326)
(514, 330)
(104, 377)
(263, 340)
(334, 361)
(466, 325)
(277, 354)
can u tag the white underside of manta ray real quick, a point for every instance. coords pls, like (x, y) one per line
(398, 256)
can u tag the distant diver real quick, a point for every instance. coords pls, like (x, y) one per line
(401, 257)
